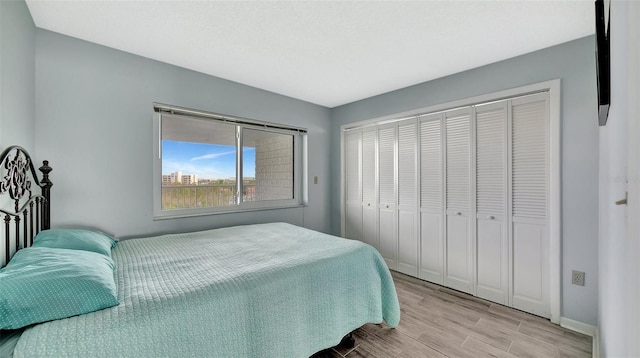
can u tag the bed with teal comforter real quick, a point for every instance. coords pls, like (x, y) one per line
(267, 290)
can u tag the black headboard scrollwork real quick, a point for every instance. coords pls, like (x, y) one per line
(27, 205)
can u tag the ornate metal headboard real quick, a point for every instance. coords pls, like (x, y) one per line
(26, 209)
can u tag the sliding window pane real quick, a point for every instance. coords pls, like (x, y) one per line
(198, 163)
(267, 168)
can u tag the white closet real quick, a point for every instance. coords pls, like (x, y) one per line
(459, 247)
(431, 199)
(407, 198)
(491, 202)
(459, 198)
(360, 191)
(369, 212)
(530, 203)
(387, 210)
(353, 185)
(397, 207)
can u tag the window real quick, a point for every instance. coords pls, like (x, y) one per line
(208, 163)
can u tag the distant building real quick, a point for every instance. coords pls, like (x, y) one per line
(189, 179)
(179, 178)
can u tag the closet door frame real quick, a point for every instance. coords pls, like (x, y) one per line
(554, 227)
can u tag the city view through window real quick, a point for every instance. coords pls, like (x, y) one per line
(199, 159)
(204, 175)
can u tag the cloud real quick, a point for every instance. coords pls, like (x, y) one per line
(213, 155)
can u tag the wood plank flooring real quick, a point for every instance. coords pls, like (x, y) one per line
(439, 322)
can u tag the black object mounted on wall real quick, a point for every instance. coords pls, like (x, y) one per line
(603, 65)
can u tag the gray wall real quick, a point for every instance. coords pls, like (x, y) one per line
(17, 75)
(94, 124)
(574, 64)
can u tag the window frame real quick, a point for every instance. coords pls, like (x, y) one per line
(300, 165)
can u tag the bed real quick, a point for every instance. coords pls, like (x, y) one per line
(265, 290)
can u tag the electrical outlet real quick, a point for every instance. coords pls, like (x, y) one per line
(577, 278)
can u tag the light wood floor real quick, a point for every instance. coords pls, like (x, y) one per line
(439, 322)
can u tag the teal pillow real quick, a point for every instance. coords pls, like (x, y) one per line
(41, 284)
(76, 239)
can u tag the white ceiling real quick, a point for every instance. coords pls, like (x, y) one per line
(325, 52)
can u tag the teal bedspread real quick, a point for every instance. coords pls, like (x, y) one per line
(268, 290)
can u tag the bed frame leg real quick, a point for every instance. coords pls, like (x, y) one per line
(348, 341)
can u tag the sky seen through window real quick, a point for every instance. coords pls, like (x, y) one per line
(207, 161)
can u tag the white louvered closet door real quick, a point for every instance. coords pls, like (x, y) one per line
(492, 241)
(460, 198)
(431, 199)
(530, 200)
(459, 248)
(387, 211)
(353, 190)
(369, 202)
(408, 197)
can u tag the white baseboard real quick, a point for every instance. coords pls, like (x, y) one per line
(596, 344)
(584, 328)
(578, 326)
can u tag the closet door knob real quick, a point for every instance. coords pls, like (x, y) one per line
(458, 213)
(491, 217)
(623, 201)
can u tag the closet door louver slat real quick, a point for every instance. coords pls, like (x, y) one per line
(352, 166)
(431, 165)
(490, 160)
(407, 138)
(529, 166)
(386, 142)
(353, 190)
(458, 163)
(368, 167)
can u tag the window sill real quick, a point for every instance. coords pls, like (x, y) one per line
(169, 214)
